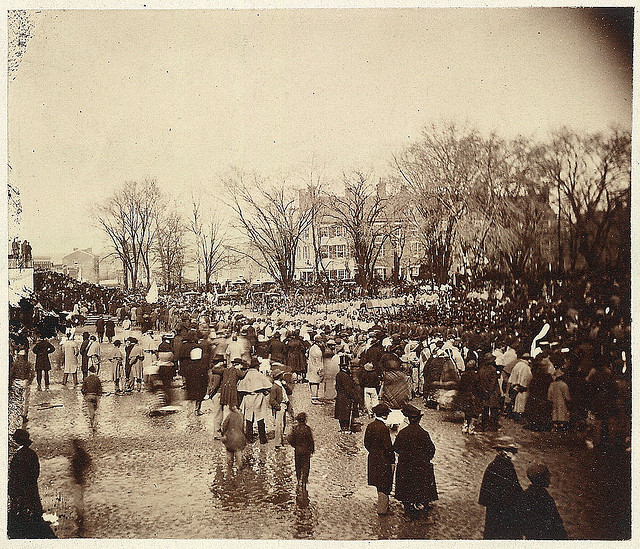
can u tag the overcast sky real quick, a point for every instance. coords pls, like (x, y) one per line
(102, 97)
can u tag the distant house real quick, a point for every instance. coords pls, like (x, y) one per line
(43, 263)
(86, 263)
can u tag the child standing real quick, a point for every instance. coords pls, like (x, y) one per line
(301, 438)
(558, 394)
(233, 437)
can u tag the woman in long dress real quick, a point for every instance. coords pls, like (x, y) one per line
(196, 376)
(330, 368)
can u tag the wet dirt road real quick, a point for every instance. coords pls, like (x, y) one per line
(166, 477)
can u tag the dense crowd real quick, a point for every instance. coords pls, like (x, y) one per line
(59, 292)
(560, 363)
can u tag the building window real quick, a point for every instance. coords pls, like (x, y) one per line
(325, 231)
(337, 274)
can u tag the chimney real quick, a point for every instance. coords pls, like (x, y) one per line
(381, 189)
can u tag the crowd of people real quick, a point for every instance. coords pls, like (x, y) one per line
(560, 363)
(58, 292)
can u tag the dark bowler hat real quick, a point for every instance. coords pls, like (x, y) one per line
(381, 410)
(410, 410)
(22, 437)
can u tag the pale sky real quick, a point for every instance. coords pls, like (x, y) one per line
(103, 97)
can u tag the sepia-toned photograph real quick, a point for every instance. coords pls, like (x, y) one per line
(319, 274)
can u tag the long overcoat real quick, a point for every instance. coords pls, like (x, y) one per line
(488, 385)
(229, 386)
(347, 397)
(296, 355)
(195, 373)
(500, 493)
(24, 519)
(110, 328)
(415, 479)
(541, 519)
(377, 440)
(42, 349)
(467, 399)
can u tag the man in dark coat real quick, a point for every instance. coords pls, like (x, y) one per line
(42, 349)
(373, 354)
(110, 329)
(84, 357)
(415, 479)
(348, 399)
(277, 350)
(500, 493)
(540, 517)
(489, 392)
(24, 518)
(301, 438)
(100, 326)
(381, 460)
(195, 371)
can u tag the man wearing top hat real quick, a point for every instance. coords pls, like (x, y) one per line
(381, 459)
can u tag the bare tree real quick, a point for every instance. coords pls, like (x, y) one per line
(592, 177)
(361, 210)
(401, 216)
(523, 220)
(210, 242)
(273, 221)
(314, 199)
(169, 248)
(441, 171)
(128, 217)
